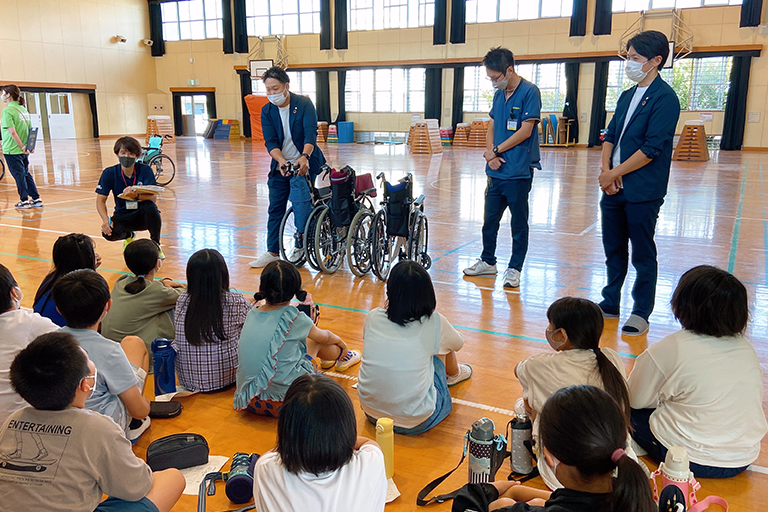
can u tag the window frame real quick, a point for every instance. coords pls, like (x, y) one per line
(379, 14)
(474, 8)
(354, 95)
(301, 14)
(621, 5)
(176, 22)
(297, 84)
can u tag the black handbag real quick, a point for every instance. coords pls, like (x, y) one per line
(177, 451)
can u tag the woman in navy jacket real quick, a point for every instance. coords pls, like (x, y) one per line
(289, 125)
(637, 153)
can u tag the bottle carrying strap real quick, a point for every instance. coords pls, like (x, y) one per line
(693, 485)
(208, 488)
(420, 498)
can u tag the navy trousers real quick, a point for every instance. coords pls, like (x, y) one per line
(624, 223)
(500, 195)
(145, 217)
(25, 183)
(280, 189)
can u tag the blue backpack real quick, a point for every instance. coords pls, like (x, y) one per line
(165, 369)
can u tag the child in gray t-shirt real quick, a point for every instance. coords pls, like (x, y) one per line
(57, 454)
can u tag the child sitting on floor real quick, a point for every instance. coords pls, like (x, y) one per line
(584, 432)
(319, 464)
(409, 355)
(575, 327)
(59, 455)
(279, 343)
(142, 306)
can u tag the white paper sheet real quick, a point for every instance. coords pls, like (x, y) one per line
(195, 474)
(180, 392)
(392, 490)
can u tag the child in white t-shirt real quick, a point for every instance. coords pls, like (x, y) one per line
(319, 463)
(409, 355)
(575, 327)
(702, 388)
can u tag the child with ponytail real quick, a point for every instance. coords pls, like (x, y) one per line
(141, 306)
(583, 433)
(279, 343)
(575, 327)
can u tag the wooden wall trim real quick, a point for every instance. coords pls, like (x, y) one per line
(193, 89)
(59, 86)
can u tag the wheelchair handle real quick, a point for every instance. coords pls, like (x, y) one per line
(419, 201)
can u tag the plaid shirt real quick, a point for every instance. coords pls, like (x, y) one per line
(210, 366)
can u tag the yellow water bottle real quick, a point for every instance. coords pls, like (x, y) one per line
(385, 436)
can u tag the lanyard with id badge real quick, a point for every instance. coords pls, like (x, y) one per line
(130, 205)
(512, 122)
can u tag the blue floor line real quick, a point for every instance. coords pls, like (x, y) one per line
(737, 223)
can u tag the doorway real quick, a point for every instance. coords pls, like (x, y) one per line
(191, 112)
(61, 119)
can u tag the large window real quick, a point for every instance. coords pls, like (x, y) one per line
(382, 14)
(192, 19)
(645, 5)
(700, 84)
(549, 78)
(281, 17)
(302, 82)
(385, 90)
(489, 11)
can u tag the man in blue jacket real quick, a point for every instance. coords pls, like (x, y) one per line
(637, 153)
(289, 125)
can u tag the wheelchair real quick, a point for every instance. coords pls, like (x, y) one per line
(293, 241)
(162, 165)
(340, 227)
(400, 228)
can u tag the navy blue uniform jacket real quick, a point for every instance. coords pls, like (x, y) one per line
(303, 120)
(651, 129)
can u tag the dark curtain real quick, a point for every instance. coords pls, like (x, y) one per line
(210, 104)
(342, 82)
(751, 12)
(458, 21)
(323, 106)
(178, 121)
(457, 107)
(226, 20)
(241, 27)
(94, 114)
(579, 18)
(736, 105)
(571, 96)
(597, 117)
(246, 88)
(433, 93)
(603, 17)
(340, 25)
(156, 29)
(439, 28)
(325, 24)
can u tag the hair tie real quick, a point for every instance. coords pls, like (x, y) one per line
(140, 276)
(617, 454)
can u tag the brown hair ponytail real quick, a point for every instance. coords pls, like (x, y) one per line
(14, 92)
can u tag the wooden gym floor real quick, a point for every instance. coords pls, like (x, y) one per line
(715, 213)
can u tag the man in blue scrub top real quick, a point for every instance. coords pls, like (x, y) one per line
(512, 153)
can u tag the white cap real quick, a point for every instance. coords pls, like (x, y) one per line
(676, 465)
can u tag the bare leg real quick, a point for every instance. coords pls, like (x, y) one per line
(324, 352)
(166, 488)
(136, 351)
(451, 363)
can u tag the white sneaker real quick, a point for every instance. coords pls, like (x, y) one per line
(136, 428)
(351, 358)
(465, 372)
(481, 268)
(23, 205)
(263, 260)
(511, 278)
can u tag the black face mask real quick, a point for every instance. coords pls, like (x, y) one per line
(126, 161)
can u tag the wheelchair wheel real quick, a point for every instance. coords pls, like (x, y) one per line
(309, 236)
(359, 242)
(329, 243)
(291, 241)
(164, 169)
(381, 248)
(2, 168)
(418, 240)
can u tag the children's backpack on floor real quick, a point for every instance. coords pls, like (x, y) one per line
(165, 368)
(343, 206)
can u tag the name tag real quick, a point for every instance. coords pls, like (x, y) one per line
(512, 124)
(132, 205)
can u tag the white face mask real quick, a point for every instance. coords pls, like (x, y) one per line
(18, 301)
(556, 345)
(95, 377)
(277, 99)
(4, 98)
(634, 70)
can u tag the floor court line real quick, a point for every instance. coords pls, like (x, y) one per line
(737, 222)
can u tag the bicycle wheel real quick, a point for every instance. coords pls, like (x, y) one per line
(2, 168)
(359, 242)
(329, 243)
(291, 241)
(418, 240)
(381, 247)
(309, 236)
(164, 169)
